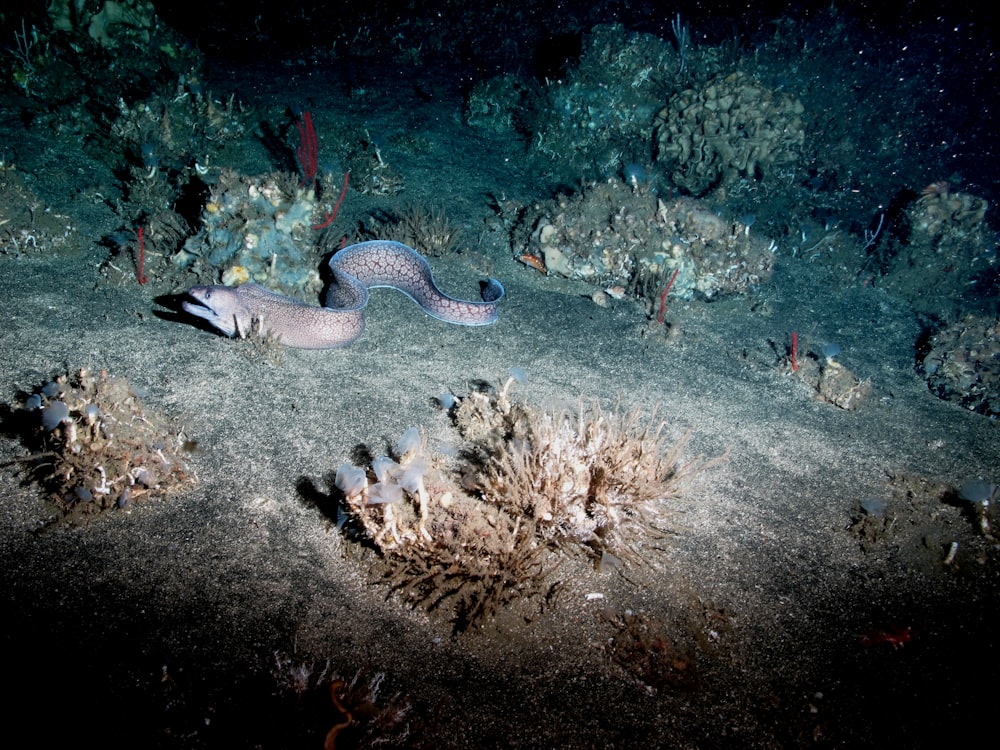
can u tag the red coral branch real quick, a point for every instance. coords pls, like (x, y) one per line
(663, 296)
(308, 149)
(331, 215)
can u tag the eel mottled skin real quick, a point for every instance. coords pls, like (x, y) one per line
(235, 311)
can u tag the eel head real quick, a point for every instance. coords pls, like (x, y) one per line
(222, 307)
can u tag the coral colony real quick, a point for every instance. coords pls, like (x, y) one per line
(488, 529)
(97, 448)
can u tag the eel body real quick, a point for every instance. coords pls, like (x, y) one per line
(236, 311)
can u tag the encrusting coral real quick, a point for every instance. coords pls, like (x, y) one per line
(613, 235)
(530, 485)
(961, 363)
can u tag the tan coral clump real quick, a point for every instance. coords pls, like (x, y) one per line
(441, 544)
(591, 477)
(532, 485)
(100, 448)
(947, 217)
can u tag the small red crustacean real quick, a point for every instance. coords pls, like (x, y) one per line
(895, 637)
(532, 261)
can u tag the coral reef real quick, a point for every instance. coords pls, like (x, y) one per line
(27, 224)
(599, 114)
(66, 57)
(96, 447)
(497, 104)
(594, 116)
(614, 235)
(365, 156)
(531, 485)
(115, 23)
(962, 364)
(732, 128)
(168, 140)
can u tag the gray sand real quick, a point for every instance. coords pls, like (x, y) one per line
(163, 624)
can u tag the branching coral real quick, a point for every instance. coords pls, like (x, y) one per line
(532, 485)
(592, 477)
(441, 543)
(424, 227)
(355, 712)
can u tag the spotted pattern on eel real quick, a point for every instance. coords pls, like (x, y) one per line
(236, 311)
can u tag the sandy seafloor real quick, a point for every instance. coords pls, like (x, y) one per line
(162, 626)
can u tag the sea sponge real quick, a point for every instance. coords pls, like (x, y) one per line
(732, 128)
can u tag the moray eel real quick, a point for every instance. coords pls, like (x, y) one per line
(236, 311)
